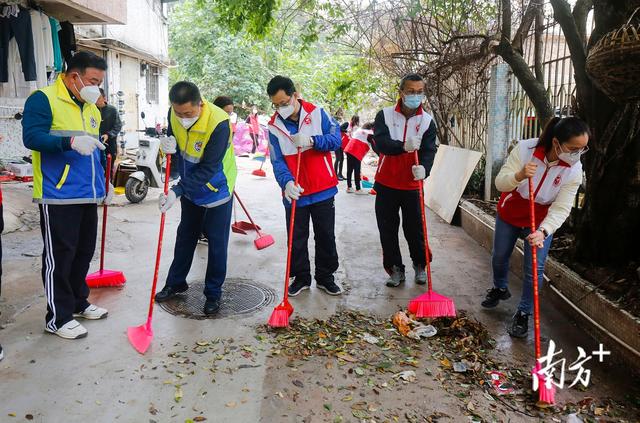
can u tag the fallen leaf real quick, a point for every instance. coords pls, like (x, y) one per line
(199, 419)
(360, 414)
(359, 371)
(407, 376)
(347, 357)
(231, 404)
(178, 394)
(298, 383)
(327, 406)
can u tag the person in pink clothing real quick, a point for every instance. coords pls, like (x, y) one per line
(356, 149)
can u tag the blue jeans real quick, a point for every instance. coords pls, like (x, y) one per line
(504, 240)
(216, 223)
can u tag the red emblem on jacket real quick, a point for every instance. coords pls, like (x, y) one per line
(307, 119)
(556, 182)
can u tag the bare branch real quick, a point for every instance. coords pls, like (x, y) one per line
(580, 13)
(538, 46)
(525, 26)
(562, 12)
(506, 20)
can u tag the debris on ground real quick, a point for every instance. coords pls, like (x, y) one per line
(379, 356)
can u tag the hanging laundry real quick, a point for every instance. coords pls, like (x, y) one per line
(18, 28)
(67, 40)
(16, 86)
(55, 39)
(39, 48)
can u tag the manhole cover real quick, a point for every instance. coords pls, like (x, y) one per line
(238, 297)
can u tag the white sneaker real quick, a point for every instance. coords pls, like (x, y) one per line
(93, 313)
(71, 330)
(362, 192)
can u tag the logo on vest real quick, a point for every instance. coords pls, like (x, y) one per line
(198, 146)
(307, 120)
(93, 122)
(556, 182)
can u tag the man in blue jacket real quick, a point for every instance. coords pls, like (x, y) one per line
(300, 124)
(61, 126)
(199, 135)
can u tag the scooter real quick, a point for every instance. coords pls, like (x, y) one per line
(150, 163)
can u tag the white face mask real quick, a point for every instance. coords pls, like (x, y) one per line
(569, 158)
(188, 122)
(286, 111)
(89, 93)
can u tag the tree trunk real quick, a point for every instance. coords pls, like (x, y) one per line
(609, 227)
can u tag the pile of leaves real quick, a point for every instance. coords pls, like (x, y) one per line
(459, 357)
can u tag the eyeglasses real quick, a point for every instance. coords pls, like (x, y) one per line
(579, 152)
(284, 104)
(413, 92)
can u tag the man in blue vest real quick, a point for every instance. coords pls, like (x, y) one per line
(61, 125)
(199, 135)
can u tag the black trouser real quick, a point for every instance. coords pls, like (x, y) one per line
(389, 202)
(255, 138)
(69, 235)
(323, 216)
(339, 161)
(216, 222)
(20, 28)
(353, 166)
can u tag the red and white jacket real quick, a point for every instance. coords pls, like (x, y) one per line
(391, 130)
(358, 146)
(555, 186)
(316, 169)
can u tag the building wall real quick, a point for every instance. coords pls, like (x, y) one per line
(11, 130)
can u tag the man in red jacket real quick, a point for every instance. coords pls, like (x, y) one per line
(399, 131)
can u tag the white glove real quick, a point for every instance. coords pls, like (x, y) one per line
(412, 144)
(419, 172)
(85, 144)
(292, 191)
(302, 140)
(109, 197)
(168, 144)
(166, 201)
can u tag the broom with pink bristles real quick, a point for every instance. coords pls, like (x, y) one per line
(546, 389)
(429, 304)
(281, 313)
(104, 277)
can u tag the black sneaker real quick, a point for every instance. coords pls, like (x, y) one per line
(169, 292)
(519, 325)
(330, 287)
(211, 307)
(494, 295)
(298, 286)
(1, 353)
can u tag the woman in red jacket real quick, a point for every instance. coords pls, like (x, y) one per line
(553, 162)
(357, 148)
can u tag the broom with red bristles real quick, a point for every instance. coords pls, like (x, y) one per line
(546, 389)
(259, 171)
(281, 313)
(104, 277)
(429, 304)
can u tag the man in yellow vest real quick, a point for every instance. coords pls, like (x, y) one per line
(207, 166)
(61, 125)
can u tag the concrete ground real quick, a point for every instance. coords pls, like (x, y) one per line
(102, 379)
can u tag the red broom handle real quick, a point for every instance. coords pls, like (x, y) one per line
(246, 212)
(291, 223)
(424, 225)
(159, 251)
(107, 175)
(534, 265)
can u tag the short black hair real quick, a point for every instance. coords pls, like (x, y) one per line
(184, 92)
(223, 101)
(278, 83)
(410, 77)
(344, 127)
(85, 59)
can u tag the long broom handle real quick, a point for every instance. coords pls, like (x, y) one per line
(246, 212)
(534, 265)
(159, 251)
(107, 176)
(291, 223)
(424, 225)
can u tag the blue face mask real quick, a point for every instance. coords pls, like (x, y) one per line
(413, 101)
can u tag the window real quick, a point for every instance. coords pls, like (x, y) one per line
(153, 73)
